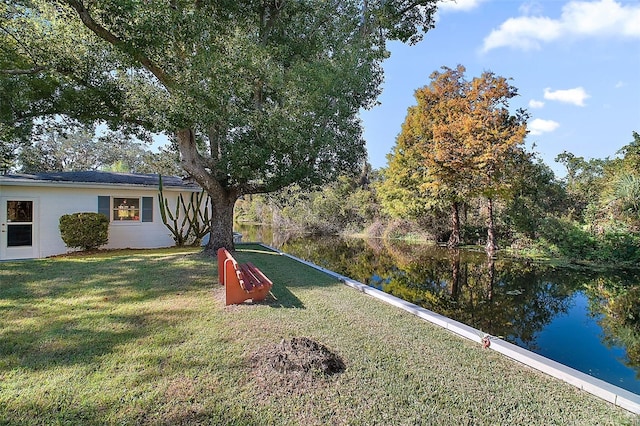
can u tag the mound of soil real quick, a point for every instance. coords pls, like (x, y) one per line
(299, 355)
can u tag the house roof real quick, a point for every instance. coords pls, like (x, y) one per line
(96, 177)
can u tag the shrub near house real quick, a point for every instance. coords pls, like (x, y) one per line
(84, 230)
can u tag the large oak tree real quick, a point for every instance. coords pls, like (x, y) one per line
(256, 94)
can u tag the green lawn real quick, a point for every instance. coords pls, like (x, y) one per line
(143, 337)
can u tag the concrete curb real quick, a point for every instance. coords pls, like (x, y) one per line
(611, 393)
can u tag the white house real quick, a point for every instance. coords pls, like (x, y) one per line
(31, 206)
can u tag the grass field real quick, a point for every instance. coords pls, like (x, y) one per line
(143, 337)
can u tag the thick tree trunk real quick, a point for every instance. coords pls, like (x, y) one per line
(491, 237)
(454, 238)
(221, 234)
(223, 199)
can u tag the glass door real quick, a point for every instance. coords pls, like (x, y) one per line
(17, 224)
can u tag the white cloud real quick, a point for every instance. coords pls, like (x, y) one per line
(599, 18)
(535, 104)
(523, 33)
(604, 17)
(575, 96)
(530, 8)
(540, 126)
(620, 84)
(458, 5)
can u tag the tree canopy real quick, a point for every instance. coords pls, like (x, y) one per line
(82, 149)
(459, 141)
(256, 94)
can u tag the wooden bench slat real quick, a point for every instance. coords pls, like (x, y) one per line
(261, 277)
(247, 281)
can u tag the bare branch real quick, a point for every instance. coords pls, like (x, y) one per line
(20, 43)
(48, 112)
(253, 188)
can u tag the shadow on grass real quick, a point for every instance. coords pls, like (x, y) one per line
(66, 339)
(284, 272)
(73, 311)
(127, 278)
(282, 297)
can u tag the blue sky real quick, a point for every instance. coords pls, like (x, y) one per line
(576, 65)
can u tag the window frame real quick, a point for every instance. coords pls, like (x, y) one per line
(126, 209)
(108, 207)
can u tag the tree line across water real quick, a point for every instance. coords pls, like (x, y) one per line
(590, 216)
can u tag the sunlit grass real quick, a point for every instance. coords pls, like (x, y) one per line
(143, 337)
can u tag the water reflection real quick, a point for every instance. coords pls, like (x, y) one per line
(503, 298)
(587, 320)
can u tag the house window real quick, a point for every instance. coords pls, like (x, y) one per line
(20, 211)
(20, 223)
(126, 209)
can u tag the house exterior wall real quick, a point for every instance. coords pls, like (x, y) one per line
(51, 202)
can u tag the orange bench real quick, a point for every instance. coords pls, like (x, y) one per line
(241, 282)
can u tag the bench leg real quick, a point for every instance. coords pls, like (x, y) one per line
(233, 292)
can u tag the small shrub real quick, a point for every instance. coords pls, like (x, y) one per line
(568, 238)
(616, 247)
(84, 230)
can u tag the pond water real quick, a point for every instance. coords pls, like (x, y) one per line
(559, 313)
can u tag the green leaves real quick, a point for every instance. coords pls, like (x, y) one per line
(274, 79)
(259, 94)
(84, 230)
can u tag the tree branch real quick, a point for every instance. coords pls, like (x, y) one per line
(409, 7)
(34, 70)
(27, 117)
(195, 164)
(114, 40)
(249, 188)
(268, 17)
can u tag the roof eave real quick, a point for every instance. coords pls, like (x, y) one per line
(91, 185)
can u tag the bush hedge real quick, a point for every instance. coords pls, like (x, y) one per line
(84, 230)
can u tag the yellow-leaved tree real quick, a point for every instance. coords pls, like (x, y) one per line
(459, 142)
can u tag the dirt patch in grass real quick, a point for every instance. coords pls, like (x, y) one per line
(295, 366)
